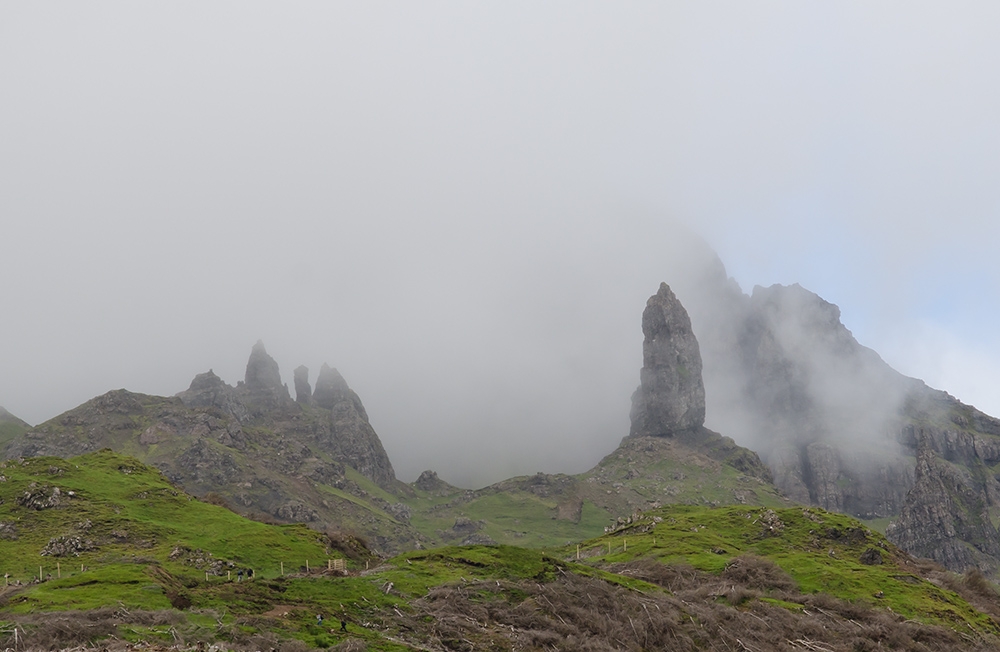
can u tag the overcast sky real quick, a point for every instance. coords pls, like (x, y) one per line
(464, 206)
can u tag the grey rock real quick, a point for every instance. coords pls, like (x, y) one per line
(331, 388)
(303, 392)
(351, 437)
(429, 481)
(671, 394)
(208, 390)
(262, 370)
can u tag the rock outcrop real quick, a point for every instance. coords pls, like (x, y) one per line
(351, 436)
(251, 445)
(671, 394)
(262, 370)
(262, 389)
(946, 516)
(836, 425)
(303, 392)
(208, 390)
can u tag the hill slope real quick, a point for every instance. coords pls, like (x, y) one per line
(160, 569)
(10, 427)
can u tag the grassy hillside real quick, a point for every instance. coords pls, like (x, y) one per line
(104, 519)
(10, 427)
(545, 510)
(159, 567)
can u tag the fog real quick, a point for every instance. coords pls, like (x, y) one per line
(463, 207)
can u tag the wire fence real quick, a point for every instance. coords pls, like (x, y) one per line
(24, 574)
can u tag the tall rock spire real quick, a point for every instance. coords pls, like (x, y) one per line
(671, 394)
(303, 393)
(262, 370)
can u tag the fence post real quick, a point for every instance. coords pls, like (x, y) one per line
(282, 569)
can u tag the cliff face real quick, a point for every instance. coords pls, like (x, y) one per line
(838, 427)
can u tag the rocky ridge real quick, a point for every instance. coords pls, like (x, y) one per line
(838, 427)
(263, 453)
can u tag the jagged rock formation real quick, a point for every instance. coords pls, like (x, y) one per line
(350, 434)
(331, 388)
(262, 390)
(208, 390)
(262, 370)
(835, 423)
(671, 394)
(251, 444)
(946, 516)
(303, 393)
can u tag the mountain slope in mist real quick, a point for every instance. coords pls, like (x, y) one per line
(668, 457)
(317, 459)
(776, 370)
(838, 427)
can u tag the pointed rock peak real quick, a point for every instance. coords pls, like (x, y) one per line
(671, 394)
(206, 381)
(262, 370)
(303, 392)
(330, 387)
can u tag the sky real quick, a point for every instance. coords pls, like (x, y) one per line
(464, 206)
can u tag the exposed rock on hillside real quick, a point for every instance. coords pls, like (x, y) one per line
(262, 370)
(671, 396)
(351, 436)
(946, 514)
(251, 445)
(837, 425)
(208, 390)
(303, 393)
(331, 388)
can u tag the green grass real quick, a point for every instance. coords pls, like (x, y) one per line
(820, 550)
(146, 530)
(135, 518)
